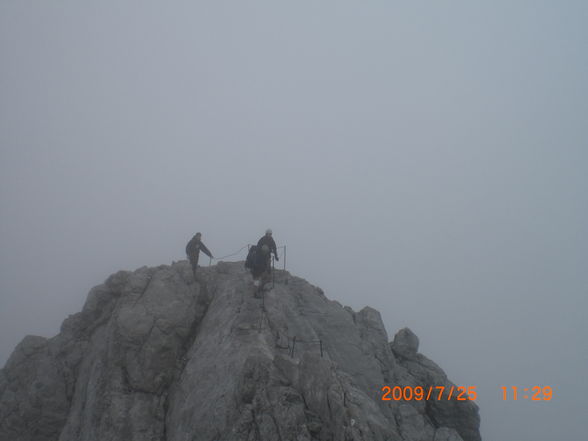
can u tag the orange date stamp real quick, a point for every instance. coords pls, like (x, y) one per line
(462, 393)
(419, 393)
(535, 393)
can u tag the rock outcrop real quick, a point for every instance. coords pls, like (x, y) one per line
(156, 355)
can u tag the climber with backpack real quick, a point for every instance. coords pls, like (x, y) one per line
(258, 259)
(268, 240)
(257, 262)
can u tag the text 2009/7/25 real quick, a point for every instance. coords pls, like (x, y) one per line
(418, 393)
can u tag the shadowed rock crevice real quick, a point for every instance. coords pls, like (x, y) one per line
(157, 355)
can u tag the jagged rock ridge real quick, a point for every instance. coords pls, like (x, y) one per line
(156, 355)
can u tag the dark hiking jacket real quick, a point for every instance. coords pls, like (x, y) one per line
(194, 247)
(271, 244)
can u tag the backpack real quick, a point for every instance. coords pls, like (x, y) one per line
(250, 260)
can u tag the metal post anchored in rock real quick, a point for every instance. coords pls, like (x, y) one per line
(312, 342)
(293, 346)
(273, 273)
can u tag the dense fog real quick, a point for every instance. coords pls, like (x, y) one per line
(428, 159)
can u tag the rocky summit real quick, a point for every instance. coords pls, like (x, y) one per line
(156, 355)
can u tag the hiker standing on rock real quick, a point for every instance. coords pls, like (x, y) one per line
(258, 265)
(271, 244)
(259, 258)
(193, 249)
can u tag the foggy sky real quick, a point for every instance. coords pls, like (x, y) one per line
(428, 159)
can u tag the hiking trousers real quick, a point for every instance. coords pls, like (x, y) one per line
(194, 263)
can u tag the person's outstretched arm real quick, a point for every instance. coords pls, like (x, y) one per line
(205, 250)
(275, 249)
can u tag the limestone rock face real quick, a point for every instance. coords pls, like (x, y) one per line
(406, 343)
(156, 355)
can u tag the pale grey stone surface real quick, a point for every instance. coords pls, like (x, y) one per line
(406, 343)
(446, 434)
(155, 355)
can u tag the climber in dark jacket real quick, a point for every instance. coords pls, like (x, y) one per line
(259, 262)
(271, 244)
(269, 241)
(193, 249)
